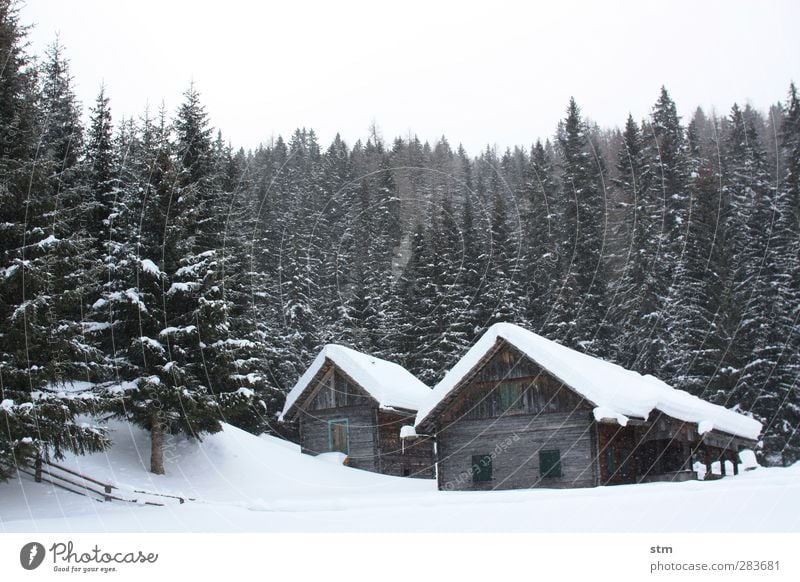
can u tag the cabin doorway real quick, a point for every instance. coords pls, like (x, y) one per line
(616, 454)
(339, 436)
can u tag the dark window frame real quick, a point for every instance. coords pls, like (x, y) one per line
(485, 472)
(549, 468)
(507, 403)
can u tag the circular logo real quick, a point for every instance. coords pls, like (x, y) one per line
(31, 555)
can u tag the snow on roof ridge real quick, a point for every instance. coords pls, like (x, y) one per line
(391, 385)
(615, 391)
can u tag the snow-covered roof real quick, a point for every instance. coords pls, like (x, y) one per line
(391, 385)
(614, 391)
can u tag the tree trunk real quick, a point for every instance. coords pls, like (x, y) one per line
(156, 444)
(38, 468)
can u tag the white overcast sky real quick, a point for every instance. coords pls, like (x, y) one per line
(483, 72)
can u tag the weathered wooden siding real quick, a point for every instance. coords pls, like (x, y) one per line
(362, 425)
(335, 397)
(334, 390)
(412, 458)
(374, 435)
(547, 416)
(510, 409)
(539, 392)
(514, 442)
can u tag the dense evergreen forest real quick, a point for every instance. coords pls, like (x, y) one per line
(151, 271)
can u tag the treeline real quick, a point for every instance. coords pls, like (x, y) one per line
(152, 272)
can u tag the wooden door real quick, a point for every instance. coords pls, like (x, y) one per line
(617, 459)
(339, 436)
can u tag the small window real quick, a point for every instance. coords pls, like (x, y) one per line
(341, 390)
(481, 468)
(339, 436)
(510, 396)
(550, 463)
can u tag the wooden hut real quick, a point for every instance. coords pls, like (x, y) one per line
(521, 411)
(355, 404)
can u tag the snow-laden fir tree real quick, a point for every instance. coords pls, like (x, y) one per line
(541, 229)
(696, 343)
(43, 260)
(780, 402)
(578, 315)
(759, 339)
(633, 289)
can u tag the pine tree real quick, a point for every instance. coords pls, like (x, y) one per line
(168, 392)
(695, 350)
(419, 286)
(298, 261)
(666, 151)
(61, 137)
(474, 268)
(69, 262)
(579, 312)
(361, 307)
(41, 343)
(746, 184)
(779, 404)
(100, 169)
(336, 238)
(454, 323)
(759, 339)
(634, 288)
(541, 236)
(234, 361)
(503, 294)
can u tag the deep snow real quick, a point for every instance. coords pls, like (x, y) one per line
(247, 483)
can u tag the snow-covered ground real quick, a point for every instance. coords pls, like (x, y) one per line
(245, 483)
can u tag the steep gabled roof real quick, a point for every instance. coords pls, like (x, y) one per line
(614, 391)
(390, 385)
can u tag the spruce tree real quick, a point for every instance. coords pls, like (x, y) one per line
(454, 322)
(42, 345)
(579, 311)
(780, 404)
(541, 236)
(168, 392)
(694, 352)
(666, 150)
(474, 268)
(758, 286)
(634, 288)
(420, 301)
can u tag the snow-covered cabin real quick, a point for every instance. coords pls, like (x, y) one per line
(521, 411)
(356, 404)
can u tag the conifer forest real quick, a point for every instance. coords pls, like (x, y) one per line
(152, 271)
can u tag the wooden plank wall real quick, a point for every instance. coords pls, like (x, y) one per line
(549, 416)
(362, 429)
(514, 443)
(334, 390)
(541, 392)
(374, 434)
(412, 458)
